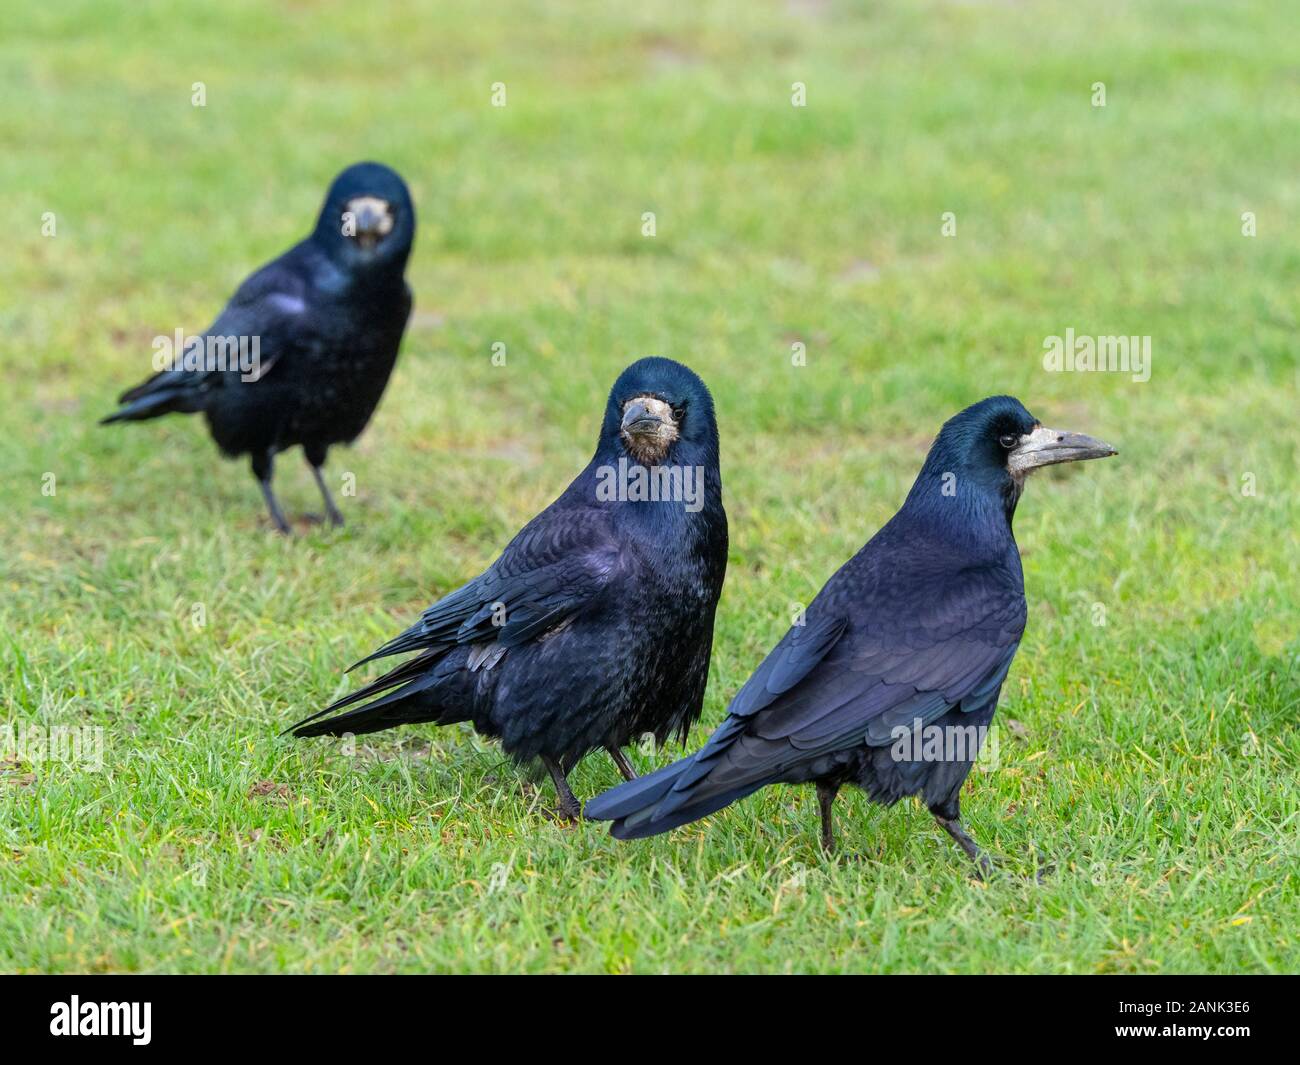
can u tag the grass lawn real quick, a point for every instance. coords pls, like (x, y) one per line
(1149, 741)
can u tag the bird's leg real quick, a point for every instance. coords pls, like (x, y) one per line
(570, 808)
(620, 760)
(262, 465)
(952, 825)
(331, 511)
(826, 793)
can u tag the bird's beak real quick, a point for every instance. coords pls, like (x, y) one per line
(373, 218)
(648, 428)
(645, 416)
(1047, 447)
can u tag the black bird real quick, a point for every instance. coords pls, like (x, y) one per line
(917, 629)
(320, 327)
(595, 625)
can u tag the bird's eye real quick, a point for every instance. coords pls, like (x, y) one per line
(679, 412)
(1008, 440)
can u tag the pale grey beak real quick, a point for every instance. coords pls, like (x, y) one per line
(372, 219)
(1047, 447)
(645, 416)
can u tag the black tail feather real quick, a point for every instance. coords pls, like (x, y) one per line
(154, 405)
(409, 679)
(412, 639)
(403, 674)
(649, 822)
(634, 795)
(666, 799)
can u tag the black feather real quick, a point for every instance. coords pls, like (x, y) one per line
(918, 628)
(594, 626)
(327, 318)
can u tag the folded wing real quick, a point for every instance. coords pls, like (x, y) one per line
(559, 564)
(849, 677)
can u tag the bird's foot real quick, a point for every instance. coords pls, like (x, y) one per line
(568, 808)
(563, 814)
(331, 510)
(273, 508)
(1041, 874)
(840, 855)
(983, 864)
(985, 868)
(333, 519)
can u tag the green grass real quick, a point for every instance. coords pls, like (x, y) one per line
(1154, 763)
